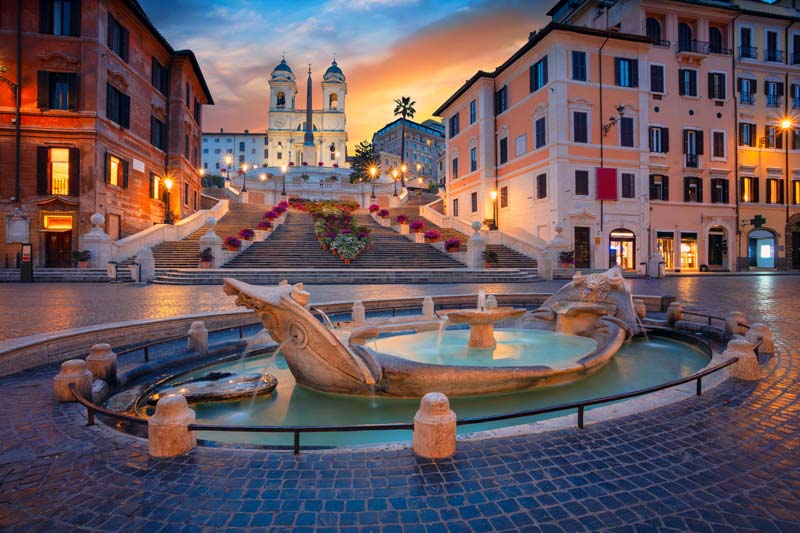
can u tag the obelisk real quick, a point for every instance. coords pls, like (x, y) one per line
(309, 149)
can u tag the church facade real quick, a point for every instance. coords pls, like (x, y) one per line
(287, 122)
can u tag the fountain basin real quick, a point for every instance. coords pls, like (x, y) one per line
(481, 323)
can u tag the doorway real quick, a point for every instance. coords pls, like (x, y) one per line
(717, 248)
(582, 248)
(622, 249)
(796, 247)
(58, 249)
(761, 249)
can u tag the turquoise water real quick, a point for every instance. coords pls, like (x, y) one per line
(514, 348)
(637, 365)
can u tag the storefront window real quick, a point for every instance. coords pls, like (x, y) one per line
(622, 249)
(689, 251)
(665, 243)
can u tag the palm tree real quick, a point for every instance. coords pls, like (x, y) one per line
(404, 108)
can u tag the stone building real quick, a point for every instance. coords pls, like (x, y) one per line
(423, 144)
(97, 114)
(243, 148)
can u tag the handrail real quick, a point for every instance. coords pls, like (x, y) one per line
(297, 430)
(146, 347)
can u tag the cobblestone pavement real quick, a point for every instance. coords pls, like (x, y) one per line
(726, 461)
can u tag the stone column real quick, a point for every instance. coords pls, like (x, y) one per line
(147, 265)
(211, 240)
(746, 368)
(358, 314)
(72, 371)
(476, 245)
(197, 339)
(428, 308)
(434, 427)
(168, 433)
(760, 335)
(98, 243)
(102, 362)
(545, 266)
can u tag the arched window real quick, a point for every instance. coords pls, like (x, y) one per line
(333, 101)
(653, 28)
(715, 40)
(684, 36)
(280, 100)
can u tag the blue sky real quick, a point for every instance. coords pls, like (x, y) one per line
(424, 49)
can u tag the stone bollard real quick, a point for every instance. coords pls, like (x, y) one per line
(491, 302)
(746, 368)
(760, 333)
(640, 308)
(428, 308)
(102, 362)
(72, 371)
(168, 433)
(198, 337)
(736, 323)
(674, 313)
(358, 314)
(434, 427)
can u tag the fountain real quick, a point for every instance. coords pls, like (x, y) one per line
(481, 322)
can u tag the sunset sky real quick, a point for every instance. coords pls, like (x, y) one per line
(424, 49)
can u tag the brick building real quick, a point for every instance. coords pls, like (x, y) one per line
(103, 112)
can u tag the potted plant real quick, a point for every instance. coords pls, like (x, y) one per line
(383, 213)
(206, 258)
(402, 219)
(489, 258)
(452, 245)
(490, 223)
(374, 208)
(265, 225)
(247, 234)
(432, 235)
(321, 164)
(417, 226)
(271, 215)
(232, 243)
(567, 259)
(81, 258)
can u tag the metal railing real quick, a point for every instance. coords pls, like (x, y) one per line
(748, 52)
(146, 347)
(773, 56)
(746, 98)
(694, 47)
(715, 49)
(773, 100)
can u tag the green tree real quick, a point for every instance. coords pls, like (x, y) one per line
(364, 158)
(405, 108)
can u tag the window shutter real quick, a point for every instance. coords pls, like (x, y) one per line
(711, 92)
(616, 71)
(109, 99)
(544, 71)
(755, 190)
(754, 86)
(685, 141)
(665, 187)
(780, 191)
(723, 87)
(653, 188)
(125, 110)
(45, 16)
(699, 140)
(74, 172)
(681, 83)
(725, 191)
(686, 182)
(42, 153)
(665, 140)
(124, 37)
(780, 88)
(43, 90)
(106, 166)
(110, 32)
(124, 174)
(693, 83)
(634, 64)
(699, 189)
(766, 87)
(75, 22)
(532, 78)
(650, 138)
(152, 183)
(742, 187)
(739, 84)
(73, 91)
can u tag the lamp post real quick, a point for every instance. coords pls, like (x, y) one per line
(419, 180)
(168, 188)
(244, 177)
(403, 169)
(284, 168)
(228, 162)
(372, 172)
(337, 158)
(493, 194)
(394, 177)
(787, 125)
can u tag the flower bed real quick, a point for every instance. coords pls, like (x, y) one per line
(336, 229)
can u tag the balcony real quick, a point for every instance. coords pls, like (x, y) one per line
(748, 52)
(796, 58)
(747, 98)
(795, 102)
(692, 48)
(773, 56)
(773, 100)
(661, 42)
(718, 49)
(692, 161)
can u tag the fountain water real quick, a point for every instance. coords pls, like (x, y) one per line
(481, 300)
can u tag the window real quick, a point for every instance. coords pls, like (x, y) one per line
(580, 129)
(795, 59)
(659, 187)
(503, 150)
(455, 168)
(774, 191)
(693, 190)
(455, 207)
(503, 196)
(57, 90)
(795, 94)
(578, 65)
(582, 183)
(194, 200)
(473, 111)
(541, 132)
(188, 95)
(652, 28)
(279, 155)
(626, 131)
(772, 53)
(117, 38)
(747, 134)
(796, 192)
(217, 150)
(626, 72)
(333, 101)
(748, 190)
(205, 150)
(266, 153)
(158, 77)
(773, 137)
(718, 144)
(659, 139)
(241, 146)
(795, 139)
(453, 126)
(716, 86)
(473, 159)
(60, 17)
(715, 41)
(719, 191)
(692, 147)
(685, 40)
(657, 79)
(57, 171)
(116, 171)
(747, 50)
(197, 110)
(158, 133)
(155, 187)
(118, 106)
(538, 74)
(474, 202)
(773, 91)
(747, 88)
(501, 100)
(541, 186)
(186, 193)
(687, 82)
(628, 185)
(520, 145)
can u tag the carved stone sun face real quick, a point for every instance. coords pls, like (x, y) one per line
(596, 288)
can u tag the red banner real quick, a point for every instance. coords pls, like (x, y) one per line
(606, 183)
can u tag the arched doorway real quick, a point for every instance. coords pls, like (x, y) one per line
(717, 248)
(761, 249)
(622, 249)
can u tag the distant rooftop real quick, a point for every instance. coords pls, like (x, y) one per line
(431, 127)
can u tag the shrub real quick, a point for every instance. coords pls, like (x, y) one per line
(232, 242)
(374, 208)
(402, 219)
(247, 234)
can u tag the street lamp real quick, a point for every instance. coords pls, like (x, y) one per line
(228, 162)
(403, 169)
(787, 125)
(394, 177)
(168, 187)
(372, 172)
(337, 157)
(419, 180)
(284, 168)
(493, 194)
(244, 177)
